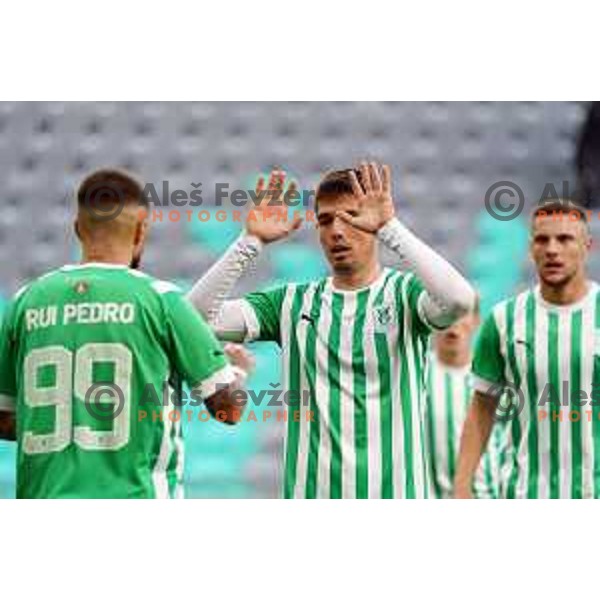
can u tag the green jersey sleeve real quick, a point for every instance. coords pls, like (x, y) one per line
(267, 308)
(488, 362)
(8, 383)
(195, 351)
(414, 293)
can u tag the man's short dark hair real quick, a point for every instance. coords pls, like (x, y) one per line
(559, 207)
(110, 185)
(336, 183)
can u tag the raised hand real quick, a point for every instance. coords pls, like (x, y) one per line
(374, 193)
(269, 220)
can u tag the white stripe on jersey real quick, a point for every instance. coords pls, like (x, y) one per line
(588, 335)
(347, 398)
(302, 465)
(521, 360)
(159, 473)
(564, 426)
(180, 450)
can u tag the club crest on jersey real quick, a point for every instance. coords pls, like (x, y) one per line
(384, 316)
(81, 287)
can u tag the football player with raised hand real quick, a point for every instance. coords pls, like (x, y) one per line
(352, 343)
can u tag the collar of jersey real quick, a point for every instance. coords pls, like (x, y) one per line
(382, 275)
(94, 265)
(456, 371)
(592, 289)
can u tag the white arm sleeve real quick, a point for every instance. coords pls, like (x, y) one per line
(232, 320)
(236, 322)
(448, 295)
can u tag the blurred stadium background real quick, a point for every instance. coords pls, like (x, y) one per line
(444, 156)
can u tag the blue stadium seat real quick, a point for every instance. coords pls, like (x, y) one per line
(7, 469)
(495, 265)
(294, 262)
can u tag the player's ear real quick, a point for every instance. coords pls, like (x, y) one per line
(530, 249)
(76, 228)
(138, 244)
(141, 230)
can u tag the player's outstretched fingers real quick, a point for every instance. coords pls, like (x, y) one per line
(366, 177)
(375, 177)
(386, 178)
(357, 189)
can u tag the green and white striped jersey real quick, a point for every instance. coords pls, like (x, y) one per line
(357, 361)
(449, 394)
(552, 355)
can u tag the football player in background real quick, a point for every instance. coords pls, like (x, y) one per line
(354, 343)
(449, 393)
(542, 344)
(102, 332)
